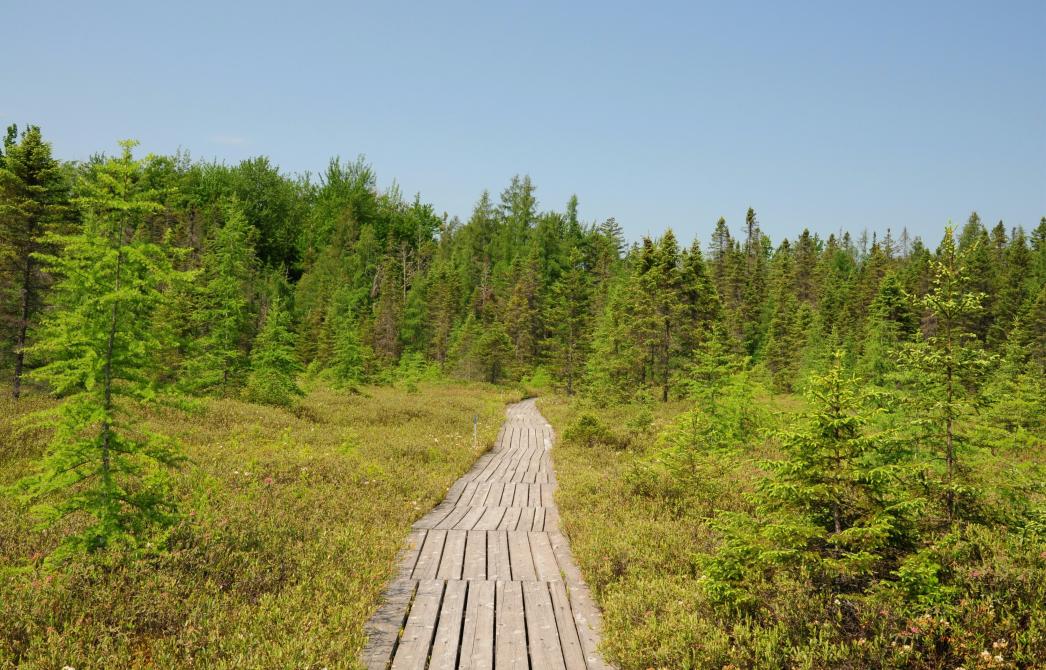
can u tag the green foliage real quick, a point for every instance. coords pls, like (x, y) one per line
(348, 357)
(589, 431)
(569, 318)
(944, 371)
(217, 358)
(274, 365)
(274, 507)
(101, 467)
(34, 201)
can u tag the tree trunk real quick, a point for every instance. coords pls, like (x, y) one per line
(108, 399)
(665, 360)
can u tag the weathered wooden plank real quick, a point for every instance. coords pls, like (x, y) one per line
(519, 556)
(477, 635)
(467, 493)
(573, 656)
(468, 522)
(413, 649)
(453, 518)
(545, 566)
(498, 566)
(453, 559)
(511, 518)
(552, 519)
(542, 632)
(526, 519)
(510, 639)
(475, 556)
(487, 598)
(435, 517)
(490, 519)
(383, 628)
(482, 491)
(448, 631)
(431, 552)
(497, 489)
(586, 617)
(508, 493)
(408, 557)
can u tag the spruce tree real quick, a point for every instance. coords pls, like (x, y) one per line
(521, 315)
(944, 370)
(829, 507)
(750, 313)
(221, 314)
(102, 466)
(274, 365)
(662, 309)
(891, 322)
(611, 371)
(34, 201)
(837, 476)
(493, 351)
(569, 320)
(348, 356)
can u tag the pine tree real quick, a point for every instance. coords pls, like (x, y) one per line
(703, 311)
(221, 314)
(102, 465)
(975, 245)
(945, 369)
(836, 476)
(442, 308)
(347, 359)
(569, 320)
(750, 313)
(1013, 288)
(719, 258)
(521, 315)
(1015, 396)
(34, 201)
(661, 309)
(891, 322)
(788, 321)
(829, 508)
(493, 351)
(611, 368)
(274, 365)
(388, 311)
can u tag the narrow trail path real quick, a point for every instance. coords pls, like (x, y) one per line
(487, 580)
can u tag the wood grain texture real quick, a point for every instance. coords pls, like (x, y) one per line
(486, 580)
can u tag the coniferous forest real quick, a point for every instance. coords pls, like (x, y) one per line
(814, 451)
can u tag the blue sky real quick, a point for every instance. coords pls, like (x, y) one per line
(818, 114)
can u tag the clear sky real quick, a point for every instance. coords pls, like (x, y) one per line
(818, 114)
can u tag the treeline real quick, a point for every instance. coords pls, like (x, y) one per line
(125, 279)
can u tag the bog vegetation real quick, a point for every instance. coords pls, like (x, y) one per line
(811, 452)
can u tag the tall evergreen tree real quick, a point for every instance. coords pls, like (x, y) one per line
(946, 368)
(221, 312)
(34, 201)
(101, 465)
(274, 365)
(569, 318)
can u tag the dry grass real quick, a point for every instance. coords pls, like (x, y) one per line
(292, 522)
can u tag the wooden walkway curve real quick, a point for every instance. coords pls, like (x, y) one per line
(487, 581)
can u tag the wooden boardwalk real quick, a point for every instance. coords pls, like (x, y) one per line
(487, 580)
